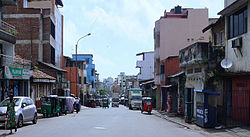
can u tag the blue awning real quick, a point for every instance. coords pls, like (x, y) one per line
(206, 91)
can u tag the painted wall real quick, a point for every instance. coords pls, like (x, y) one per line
(90, 67)
(58, 37)
(239, 56)
(146, 66)
(177, 33)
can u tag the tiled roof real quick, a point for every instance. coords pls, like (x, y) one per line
(20, 60)
(41, 75)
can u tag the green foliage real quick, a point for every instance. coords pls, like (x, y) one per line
(13, 32)
(36, 68)
(102, 91)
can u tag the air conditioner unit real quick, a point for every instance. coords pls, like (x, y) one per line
(237, 43)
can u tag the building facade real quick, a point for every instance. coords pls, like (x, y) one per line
(90, 79)
(40, 30)
(146, 66)
(173, 31)
(236, 80)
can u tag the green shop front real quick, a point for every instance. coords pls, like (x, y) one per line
(16, 80)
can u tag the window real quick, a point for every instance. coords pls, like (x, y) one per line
(162, 69)
(25, 4)
(215, 38)
(189, 71)
(85, 80)
(92, 72)
(238, 23)
(52, 29)
(197, 70)
(52, 55)
(221, 37)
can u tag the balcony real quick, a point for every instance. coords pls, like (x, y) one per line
(7, 32)
(201, 53)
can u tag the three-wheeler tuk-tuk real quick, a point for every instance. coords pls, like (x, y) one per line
(63, 105)
(146, 105)
(50, 106)
(105, 103)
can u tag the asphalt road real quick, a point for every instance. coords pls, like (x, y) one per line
(99, 122)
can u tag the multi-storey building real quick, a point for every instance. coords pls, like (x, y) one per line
(15, 71)
(146, 66)
(90, 79)
(236, 80)
(173, 31)
(40, 30)
(76, 76)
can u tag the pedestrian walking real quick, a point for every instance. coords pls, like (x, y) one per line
(10, 121)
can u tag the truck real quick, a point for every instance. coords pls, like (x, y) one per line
(115, 100)
(134, 98)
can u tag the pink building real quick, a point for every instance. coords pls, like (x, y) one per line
(174, 31)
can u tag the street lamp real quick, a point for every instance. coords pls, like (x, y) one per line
(77, 93)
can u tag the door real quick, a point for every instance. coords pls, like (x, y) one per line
(164, 98)
(229, 97)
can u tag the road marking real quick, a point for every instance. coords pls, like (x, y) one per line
(101, 128)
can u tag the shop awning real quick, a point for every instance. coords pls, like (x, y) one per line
(166, 86)
(53, 67)
(206, 91)
(233, 7)
(154, 87)
(39, 76)
(148, 82)
(176, 74)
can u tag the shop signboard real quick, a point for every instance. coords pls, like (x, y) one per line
(17, 73)
(44, 80)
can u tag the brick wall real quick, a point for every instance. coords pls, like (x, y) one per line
(23, 19)
(46, 53)
(171, 67)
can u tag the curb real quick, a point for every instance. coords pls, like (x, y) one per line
(165, 117)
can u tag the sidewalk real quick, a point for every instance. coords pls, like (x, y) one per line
(210, 132)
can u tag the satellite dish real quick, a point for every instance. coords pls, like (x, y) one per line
(226, 63)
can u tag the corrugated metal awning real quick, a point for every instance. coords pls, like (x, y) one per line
(166, 86)
(176, 74)
(234, 6)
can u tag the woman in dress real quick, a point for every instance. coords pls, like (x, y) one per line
(10, 122)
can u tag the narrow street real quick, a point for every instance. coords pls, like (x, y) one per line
(99, 122)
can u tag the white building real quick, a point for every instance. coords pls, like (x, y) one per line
(146, 66)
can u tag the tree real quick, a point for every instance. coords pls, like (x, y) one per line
(102, 92)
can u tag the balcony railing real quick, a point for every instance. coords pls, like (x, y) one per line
(8, 28)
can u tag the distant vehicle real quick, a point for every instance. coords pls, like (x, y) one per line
(146, 105)
(105, 103)
(50, 106)
(135, 98)
(63, 105)
(98, 102)
(70, 104)
(115, 100)
(122, 101)
(25, 110)
(91, 103)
